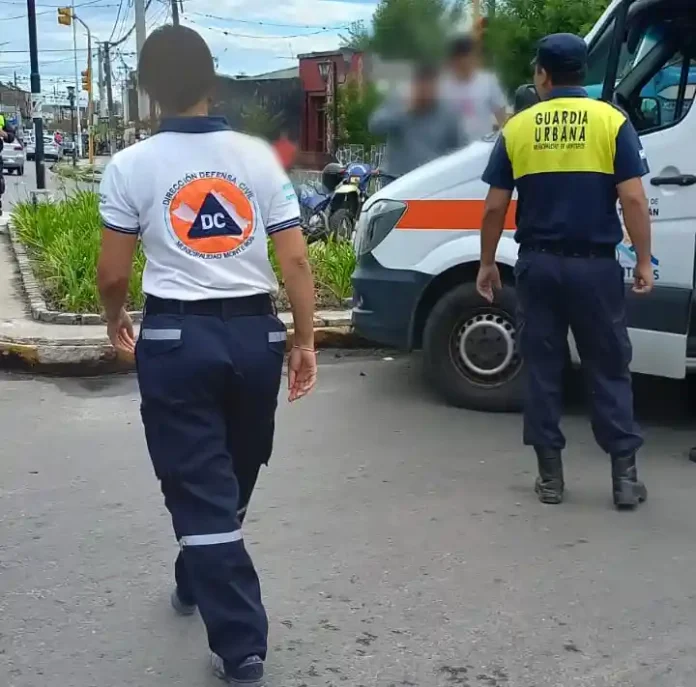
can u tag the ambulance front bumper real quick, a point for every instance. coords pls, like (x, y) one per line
(384, 302)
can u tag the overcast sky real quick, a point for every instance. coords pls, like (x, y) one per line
(261, 35)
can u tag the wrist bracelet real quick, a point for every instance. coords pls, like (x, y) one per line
(306, 348)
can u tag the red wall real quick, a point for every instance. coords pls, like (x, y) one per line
(311, 78)
(312, 83)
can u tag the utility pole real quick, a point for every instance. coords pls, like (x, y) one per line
(100, 79)
(124, 97)
(77, 80)
(109, 97)
(175, 12)
(88, 86)
(140, 35)
(71, 100)
(36, 96)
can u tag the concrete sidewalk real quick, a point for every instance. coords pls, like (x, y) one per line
(74, 349)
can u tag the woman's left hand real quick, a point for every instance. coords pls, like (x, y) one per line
(121, 334)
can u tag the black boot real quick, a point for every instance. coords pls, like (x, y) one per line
(629, 491)
(549, 485)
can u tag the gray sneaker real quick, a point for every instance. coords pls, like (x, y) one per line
(248, 673)
(180, 606)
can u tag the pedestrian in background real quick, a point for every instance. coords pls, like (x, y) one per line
(7, 135)
(472, 91)
(286, 151)
(418, 128)
(203, 199)
(569, 157)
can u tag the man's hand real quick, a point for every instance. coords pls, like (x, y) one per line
(643, 278)
(302, 372)
(3, 135)
(488, 281)
(120, 331)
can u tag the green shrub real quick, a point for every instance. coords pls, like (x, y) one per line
(63, 240)
(333, 264)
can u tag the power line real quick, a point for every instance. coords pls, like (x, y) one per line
(232, 34)
(337, 27)
(124, 38)
(70, 50)
(38, 14)
(118, 16)
(89, 3)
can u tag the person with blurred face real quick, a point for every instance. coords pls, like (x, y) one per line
(473, 92)
(419, 128)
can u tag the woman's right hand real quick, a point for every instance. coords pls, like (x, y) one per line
(302, 372)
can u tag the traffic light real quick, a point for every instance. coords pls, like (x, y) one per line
(87, 80)
(65, 16)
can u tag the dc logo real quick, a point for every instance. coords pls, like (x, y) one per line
(209, 222)
(211, 217)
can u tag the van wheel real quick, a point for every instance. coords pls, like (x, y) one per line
(470, 350)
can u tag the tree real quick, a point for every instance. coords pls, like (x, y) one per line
(517, 25)
(357, 37)
(356, 103)
(258, 121)
(413, 29)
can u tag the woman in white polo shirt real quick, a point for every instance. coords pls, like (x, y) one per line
(203, 199)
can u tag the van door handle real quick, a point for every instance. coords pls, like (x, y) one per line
(676, 180)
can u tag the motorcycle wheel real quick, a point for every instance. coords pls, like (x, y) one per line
(341, 224)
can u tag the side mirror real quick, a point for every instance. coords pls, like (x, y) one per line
(525, 96)
(651, 110)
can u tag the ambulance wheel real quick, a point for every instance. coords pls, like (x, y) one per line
(470, 350)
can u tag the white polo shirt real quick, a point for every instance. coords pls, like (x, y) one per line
(203, 199)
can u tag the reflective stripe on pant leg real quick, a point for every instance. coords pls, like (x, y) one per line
(210, 539)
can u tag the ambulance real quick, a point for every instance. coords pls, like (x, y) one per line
(417, 240)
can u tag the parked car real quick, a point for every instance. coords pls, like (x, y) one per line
(69, 148)
(29, 146)
(13, 157)
(52, 150)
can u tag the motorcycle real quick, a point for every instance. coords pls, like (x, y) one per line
(314, 215)
(332, 211)
(349, 197)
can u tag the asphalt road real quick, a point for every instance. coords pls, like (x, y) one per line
(398, 541)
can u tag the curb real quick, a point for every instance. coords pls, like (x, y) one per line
(75, 359)
(32, 289)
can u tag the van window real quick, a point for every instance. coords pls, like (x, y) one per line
(599, 54)
(658, 90)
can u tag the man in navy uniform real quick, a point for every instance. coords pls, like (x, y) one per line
(570, 158)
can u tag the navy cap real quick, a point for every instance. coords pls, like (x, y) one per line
(562, 52)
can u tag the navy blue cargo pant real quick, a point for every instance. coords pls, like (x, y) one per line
(585, 294)
(209, 387)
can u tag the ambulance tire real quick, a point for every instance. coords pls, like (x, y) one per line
(446, 320)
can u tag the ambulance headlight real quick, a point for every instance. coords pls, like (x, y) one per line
(375, 223)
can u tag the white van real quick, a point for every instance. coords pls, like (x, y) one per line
(418, 240)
